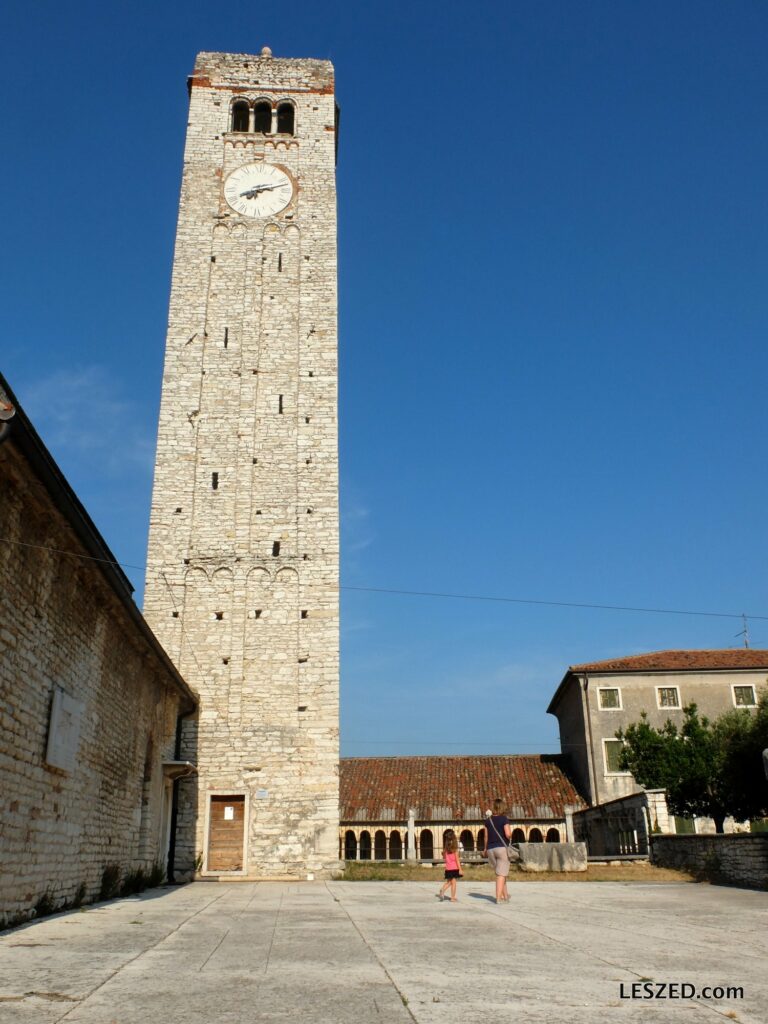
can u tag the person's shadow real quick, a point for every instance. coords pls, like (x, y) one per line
(483, 896)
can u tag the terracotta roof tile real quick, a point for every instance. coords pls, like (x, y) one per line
(658, 661)
(456, 788)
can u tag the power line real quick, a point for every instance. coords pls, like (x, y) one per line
(557, 604)
(72, 554)
(450, 596)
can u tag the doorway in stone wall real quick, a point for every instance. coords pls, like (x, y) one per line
(226, 833)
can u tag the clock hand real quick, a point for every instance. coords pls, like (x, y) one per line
(253, 192)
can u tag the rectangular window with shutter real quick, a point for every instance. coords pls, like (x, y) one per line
(667, 697)
(744, 697)
(610, 698)
(612, 751)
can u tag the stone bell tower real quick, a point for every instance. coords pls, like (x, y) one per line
(243, 561)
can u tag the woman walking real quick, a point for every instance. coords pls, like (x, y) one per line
(497, 834)
(452, 862)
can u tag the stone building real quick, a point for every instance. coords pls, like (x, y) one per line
(397, 808)
(595, 700)
(89, 701)
(243, 562)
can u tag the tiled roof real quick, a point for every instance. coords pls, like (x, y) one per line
(659, 661)
(455, 788)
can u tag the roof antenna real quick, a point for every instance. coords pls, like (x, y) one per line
(744, 632)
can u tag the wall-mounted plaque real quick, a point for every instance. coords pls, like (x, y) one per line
(64, 731)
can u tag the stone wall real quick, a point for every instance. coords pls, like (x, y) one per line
(739, 858)
(88, 702)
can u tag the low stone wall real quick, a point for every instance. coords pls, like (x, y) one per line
(737, 858)
(553, 856)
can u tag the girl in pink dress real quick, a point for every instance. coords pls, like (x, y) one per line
(452, 863)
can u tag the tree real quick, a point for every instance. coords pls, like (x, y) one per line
(711, 769)
(744, 736)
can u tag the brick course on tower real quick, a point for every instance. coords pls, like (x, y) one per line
(243, 560)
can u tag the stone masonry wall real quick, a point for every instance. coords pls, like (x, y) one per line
(61, 626)
(739, 858)
(249, 394)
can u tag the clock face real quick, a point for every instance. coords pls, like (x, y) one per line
(258, 190)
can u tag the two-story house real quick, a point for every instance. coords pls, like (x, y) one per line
(595, 700)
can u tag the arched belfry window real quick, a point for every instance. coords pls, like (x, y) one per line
(240, 116)
(285, 119)
(262, 117)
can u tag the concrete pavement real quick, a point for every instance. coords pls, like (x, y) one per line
(355, 952)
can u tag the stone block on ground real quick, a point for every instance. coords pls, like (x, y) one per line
(553, 856)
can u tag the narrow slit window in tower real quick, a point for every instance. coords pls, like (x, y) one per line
(275, 549)
(304, 613)
(257, 613)
(285, 118)
(219, 616)
(226, 337)
(262, 118)
(280, 403)
(215, 481)
(279, 263)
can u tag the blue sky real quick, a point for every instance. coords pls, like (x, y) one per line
(553, 309)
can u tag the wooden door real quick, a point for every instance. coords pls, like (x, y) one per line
(225, 833)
